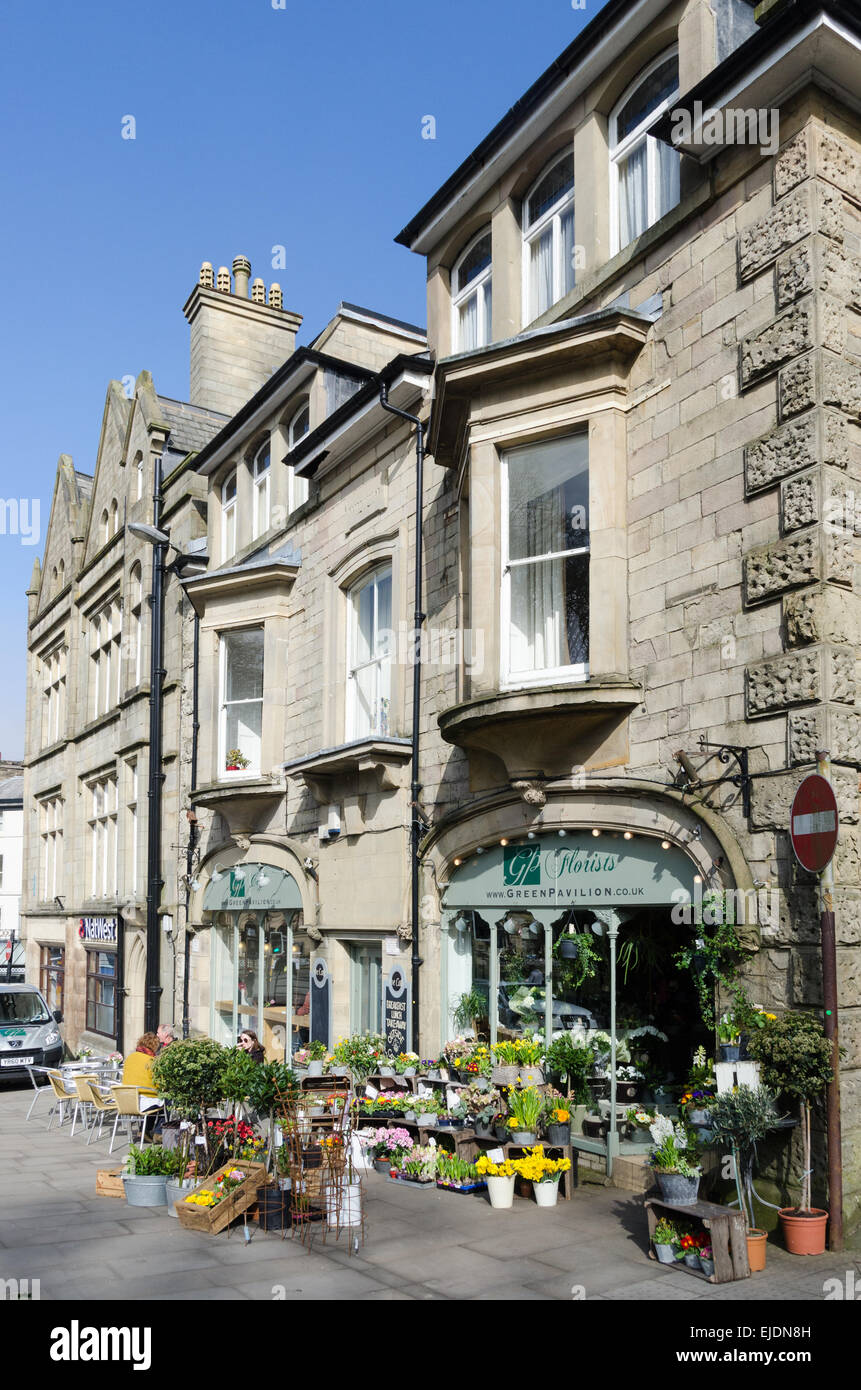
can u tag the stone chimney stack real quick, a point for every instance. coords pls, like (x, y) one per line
(236, 342)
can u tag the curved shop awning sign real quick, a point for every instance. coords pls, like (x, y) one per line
(580, 871)
(252, 888)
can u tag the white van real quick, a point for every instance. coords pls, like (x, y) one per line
(29, 1031)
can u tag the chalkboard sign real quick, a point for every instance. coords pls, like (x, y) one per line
(321, 991)
(396, 1012)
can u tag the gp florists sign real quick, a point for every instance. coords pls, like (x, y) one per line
(255, 887)
(581, 870)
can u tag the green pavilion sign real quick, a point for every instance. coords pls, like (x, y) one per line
(579, 870)
(252, 888)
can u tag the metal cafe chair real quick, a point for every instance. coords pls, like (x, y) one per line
(128, 1100)
(45, 1090)
(62, 1097)
(100, 1105)
(83, 1102)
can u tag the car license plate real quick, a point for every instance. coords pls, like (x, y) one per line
(17, 1062)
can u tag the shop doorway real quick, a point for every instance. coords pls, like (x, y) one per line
(261, 980)
(366, 990)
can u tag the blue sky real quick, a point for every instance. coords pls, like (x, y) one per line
(255, 127)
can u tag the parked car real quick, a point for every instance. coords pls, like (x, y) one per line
(29, 1031)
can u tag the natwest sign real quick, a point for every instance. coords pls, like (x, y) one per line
(101, 931)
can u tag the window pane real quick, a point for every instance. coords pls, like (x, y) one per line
(548, 497)
(556, 183)
(550, 614)
(568, 251)
(244, 730)
(633, 195)
(487, 290)
(472, 265)
(541, 273)
(300, 426)
(657, 88)
(468, 324)
(244, 665)
(382, 636)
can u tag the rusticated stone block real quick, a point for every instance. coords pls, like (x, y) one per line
(784, 681)
(840, 674)
(817, 264)
(835, 443)
(839, 557)
(771, 798)
(823, 614)
(829, 726)
(782, 565)
(797, 387)
(807, 977)
(787, 337)
(792, 164)
(832, 323)
(783, 451)
(839, 164)
(799, 501)
(841, 385)
(795, 274)
(815, 207)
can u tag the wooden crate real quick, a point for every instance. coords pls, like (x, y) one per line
(214, 1219)
(728, 1236)
(109, 1182)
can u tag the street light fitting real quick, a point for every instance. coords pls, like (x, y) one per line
(148, 533)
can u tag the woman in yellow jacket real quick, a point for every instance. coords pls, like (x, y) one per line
(137, 1068)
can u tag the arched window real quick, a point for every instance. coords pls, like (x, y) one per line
(104, 526)
(472, 295)
(135, 634)
(548, 238)
(139, 478)
(55, 582)
(644, 172)
(228, 516)
(115, 517)
(61, 575)
(369, 654)
(262, 474)
(300, 424)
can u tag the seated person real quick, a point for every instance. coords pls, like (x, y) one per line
(137, 1067)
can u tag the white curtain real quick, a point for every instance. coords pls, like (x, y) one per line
(633, 196)
(469, 324)
(568, 251)
(537, 589)
(541, 273)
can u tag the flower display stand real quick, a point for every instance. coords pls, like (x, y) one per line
(567, 1181)
(214, 1219)
(727, 1231)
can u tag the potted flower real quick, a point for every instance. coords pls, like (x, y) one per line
(641, 1121)
(506, 1070)
(147, 1172)
(557, 1119)
(479, 1108)
(418, 1165)
(544, 1174)
(729, 1034)
(666, 1242)
(428, 1110)
(525, 1107)
(672, 1159)
(500, 1180)
(706, 1256)
(361, 1054)
(796, 1059)
(743, 1117)
(388, 1145)
(405, 1064)
(689, 1246)
(316, 1053)
(236, 760)
(570, 1056)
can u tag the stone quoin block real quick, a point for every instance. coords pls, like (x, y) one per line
(817, 264)
(838, 730)
(817, 673)
(812, 208)
(782, 565)
(792, 165)
(838, 164)
(818, 437)
(823, 614)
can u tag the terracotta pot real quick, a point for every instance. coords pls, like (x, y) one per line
(756, 1248)
(804, 1235)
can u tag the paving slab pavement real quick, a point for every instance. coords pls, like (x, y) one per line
(419, 1246)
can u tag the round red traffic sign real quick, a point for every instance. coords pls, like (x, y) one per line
(813, 823)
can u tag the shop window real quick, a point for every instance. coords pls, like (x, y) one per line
(261, 980)
(241, 702)
(644, 172)
(472, 295)
(101, 992)
(545, 589)
(51, 840)
(369, 654)
(103, 837)
(52, 974)
(548, 239)
(262, 475)
(228, 517)
(366, 1011)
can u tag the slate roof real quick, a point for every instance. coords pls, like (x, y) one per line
(12, 789)
(191, 426)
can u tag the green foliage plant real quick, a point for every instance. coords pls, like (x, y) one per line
(796, 1060)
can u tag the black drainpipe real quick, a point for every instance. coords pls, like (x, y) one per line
(193, 830)
(415, 785)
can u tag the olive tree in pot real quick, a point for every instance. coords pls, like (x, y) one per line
(190, 1078)
(795, 1056)
(569, 1056)
(742, 1117)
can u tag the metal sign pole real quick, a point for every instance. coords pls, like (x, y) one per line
(829, 996)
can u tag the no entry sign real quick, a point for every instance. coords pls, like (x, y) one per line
(813, 823)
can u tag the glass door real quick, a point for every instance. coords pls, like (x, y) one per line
(366, 1013)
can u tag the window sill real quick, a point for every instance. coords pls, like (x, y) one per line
(547, 730)
(375, 764)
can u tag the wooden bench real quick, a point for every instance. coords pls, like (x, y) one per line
(728, 1237)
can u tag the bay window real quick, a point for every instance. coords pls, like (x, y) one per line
(545, 561)
(472, 295)
(644, 172)
(241, 680)
(369, 654)
(548, 239)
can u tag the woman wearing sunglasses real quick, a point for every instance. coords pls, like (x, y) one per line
(250, 1043)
